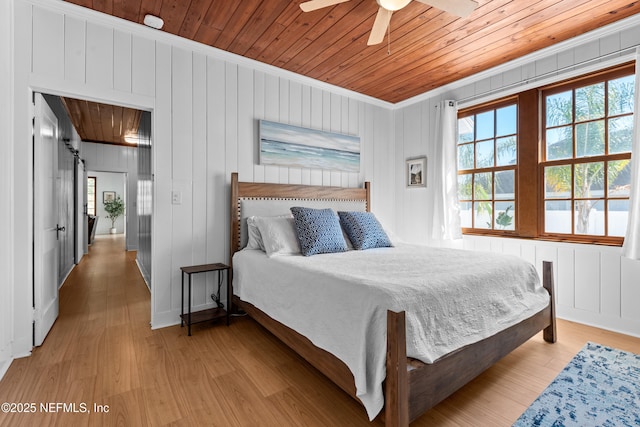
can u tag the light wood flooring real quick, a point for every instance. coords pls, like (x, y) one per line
(102, 351)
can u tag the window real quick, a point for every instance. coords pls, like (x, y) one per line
(552, 162)
(487, 164)
(91, 195)
(587, 138)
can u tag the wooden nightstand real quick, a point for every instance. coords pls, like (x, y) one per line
(210, 314)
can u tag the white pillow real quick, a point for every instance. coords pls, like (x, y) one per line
(278, 235)
(254, 240)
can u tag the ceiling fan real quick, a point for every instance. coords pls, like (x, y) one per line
(461, 8)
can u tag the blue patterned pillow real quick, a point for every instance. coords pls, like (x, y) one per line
(364, 230)
(318, 231)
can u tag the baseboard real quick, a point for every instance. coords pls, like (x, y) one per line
(22, 347)
(610, 323)
(66, 276)
(166, 319)
(143, 274)
(172, 318)
(4, 367)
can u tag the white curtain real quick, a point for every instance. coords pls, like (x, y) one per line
(631, 246)
(446, 211)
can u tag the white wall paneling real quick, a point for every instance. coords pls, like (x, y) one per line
(259, 112)
(6, 190)
(199, 175)
(247, 123)
(144, 202)
(74, 49)
(566, 294)
(610, 296)
(22, 184)
(594, 284)
(143, 66)
(122, 61)
(629, 289)
(161, 235)
(587, 280)
(216, 231)
(181, 168)
(48, 43)
(205, 108)
(99, 56)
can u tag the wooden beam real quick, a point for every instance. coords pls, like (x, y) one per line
(396, 411)
(549, 334)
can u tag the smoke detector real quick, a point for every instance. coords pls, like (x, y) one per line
(153, 21)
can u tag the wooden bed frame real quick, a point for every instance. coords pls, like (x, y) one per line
(411, 387)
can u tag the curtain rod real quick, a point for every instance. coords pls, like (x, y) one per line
(621, 52)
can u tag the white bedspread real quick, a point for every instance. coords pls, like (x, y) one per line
(452, 298)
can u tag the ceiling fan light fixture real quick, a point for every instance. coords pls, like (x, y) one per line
(393, 5)
(153, 21)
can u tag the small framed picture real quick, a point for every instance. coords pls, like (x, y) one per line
(417, 172)
(108, 196)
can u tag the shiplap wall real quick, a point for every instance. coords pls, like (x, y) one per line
(205, 107)
(595, 285)
(6, 190)
(145, 197)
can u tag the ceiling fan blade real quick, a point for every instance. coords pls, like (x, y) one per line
(309, 6)
(461, 8)
(379, 26)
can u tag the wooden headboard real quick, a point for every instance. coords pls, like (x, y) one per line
(256, 190)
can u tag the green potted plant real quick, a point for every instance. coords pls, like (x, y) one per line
(114, 209)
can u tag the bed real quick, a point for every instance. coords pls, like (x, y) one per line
(411, 386)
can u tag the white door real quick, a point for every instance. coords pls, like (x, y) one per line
(45, 215)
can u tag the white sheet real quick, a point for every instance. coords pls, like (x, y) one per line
(452, 298)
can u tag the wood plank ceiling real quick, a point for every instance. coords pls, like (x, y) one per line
(428, 48)
(103, 123)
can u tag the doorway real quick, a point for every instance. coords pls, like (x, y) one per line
(73, 157)
(110, 186)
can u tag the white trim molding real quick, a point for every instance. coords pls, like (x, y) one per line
(7, 276)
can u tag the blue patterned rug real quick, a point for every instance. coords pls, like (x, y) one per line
(599, 387)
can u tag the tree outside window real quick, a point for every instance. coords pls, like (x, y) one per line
(587, 141)
(552, 162)
(487, 162)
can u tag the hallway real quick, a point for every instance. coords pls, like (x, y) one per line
(90, 353)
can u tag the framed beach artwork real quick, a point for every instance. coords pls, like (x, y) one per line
(417, 172)
(108, 196)
(294, 146)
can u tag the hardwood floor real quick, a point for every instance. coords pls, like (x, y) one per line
(102, 351)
